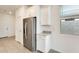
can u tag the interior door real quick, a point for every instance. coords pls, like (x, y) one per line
(3, 28)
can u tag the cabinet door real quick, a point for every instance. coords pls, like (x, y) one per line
(28, 13)
(45, 13)
(41, 44)
(48, 43)
(31, 12)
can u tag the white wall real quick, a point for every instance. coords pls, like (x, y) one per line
(62, 42)
(19, 23)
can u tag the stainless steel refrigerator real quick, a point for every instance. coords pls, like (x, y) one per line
(29, 33)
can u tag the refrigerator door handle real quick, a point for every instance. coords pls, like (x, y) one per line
(26, 31)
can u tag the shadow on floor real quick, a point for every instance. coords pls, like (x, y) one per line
(53, 51)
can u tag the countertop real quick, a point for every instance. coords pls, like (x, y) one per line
(45, 33)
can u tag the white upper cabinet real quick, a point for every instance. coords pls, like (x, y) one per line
(69, 10)
(45, 15)
(31, 11)
(27, 14)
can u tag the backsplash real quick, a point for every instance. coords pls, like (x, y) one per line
(46, 28)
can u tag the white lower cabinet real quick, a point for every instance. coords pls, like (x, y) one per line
(43, 43)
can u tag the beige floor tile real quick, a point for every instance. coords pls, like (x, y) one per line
(10, 45)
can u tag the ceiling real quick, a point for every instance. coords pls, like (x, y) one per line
(8, 8)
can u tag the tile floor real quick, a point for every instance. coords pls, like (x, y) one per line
(10, 45)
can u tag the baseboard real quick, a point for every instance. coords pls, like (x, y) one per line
(3, 37)
(12, 36)
(18, 42)
(7, 37)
